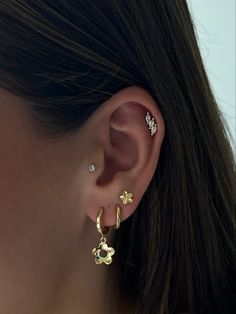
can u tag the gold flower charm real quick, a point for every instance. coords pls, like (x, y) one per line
(100, 249)
(126, 197)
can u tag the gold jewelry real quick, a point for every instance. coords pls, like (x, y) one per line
(126, 197)
(102, 246)
(151, 124)
(118, 210)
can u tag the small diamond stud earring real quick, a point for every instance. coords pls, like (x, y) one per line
(151, 124)
(92, 167)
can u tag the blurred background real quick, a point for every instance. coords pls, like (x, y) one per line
(215, 26)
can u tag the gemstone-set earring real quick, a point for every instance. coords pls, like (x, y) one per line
(92, 167)
(151, 124)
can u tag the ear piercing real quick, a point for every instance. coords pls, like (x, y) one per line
(102, 246)
(103, 253)
(118, 210)
(126, 197)
(92, 168)
(151, 124)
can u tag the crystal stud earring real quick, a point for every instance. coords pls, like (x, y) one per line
(151, 124)
(92, 167)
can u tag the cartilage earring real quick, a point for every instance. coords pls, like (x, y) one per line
(126, 197)
(103, 253)
(151, 124)
(92, 167)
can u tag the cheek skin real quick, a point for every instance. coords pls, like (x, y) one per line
(20, 186)
(16, 163)
(40, 217)
(35, 228)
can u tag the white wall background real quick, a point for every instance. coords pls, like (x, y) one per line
(215, 25)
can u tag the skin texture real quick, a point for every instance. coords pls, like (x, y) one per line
(49, 201)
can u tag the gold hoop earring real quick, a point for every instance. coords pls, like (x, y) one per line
(118, 218)
(102, 246)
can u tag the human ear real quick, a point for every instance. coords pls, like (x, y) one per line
(121, 145)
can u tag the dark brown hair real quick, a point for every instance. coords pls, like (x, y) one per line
(176, 253)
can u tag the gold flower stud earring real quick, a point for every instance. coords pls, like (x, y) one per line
(126, 197)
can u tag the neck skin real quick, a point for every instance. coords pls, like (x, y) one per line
(72, 284)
